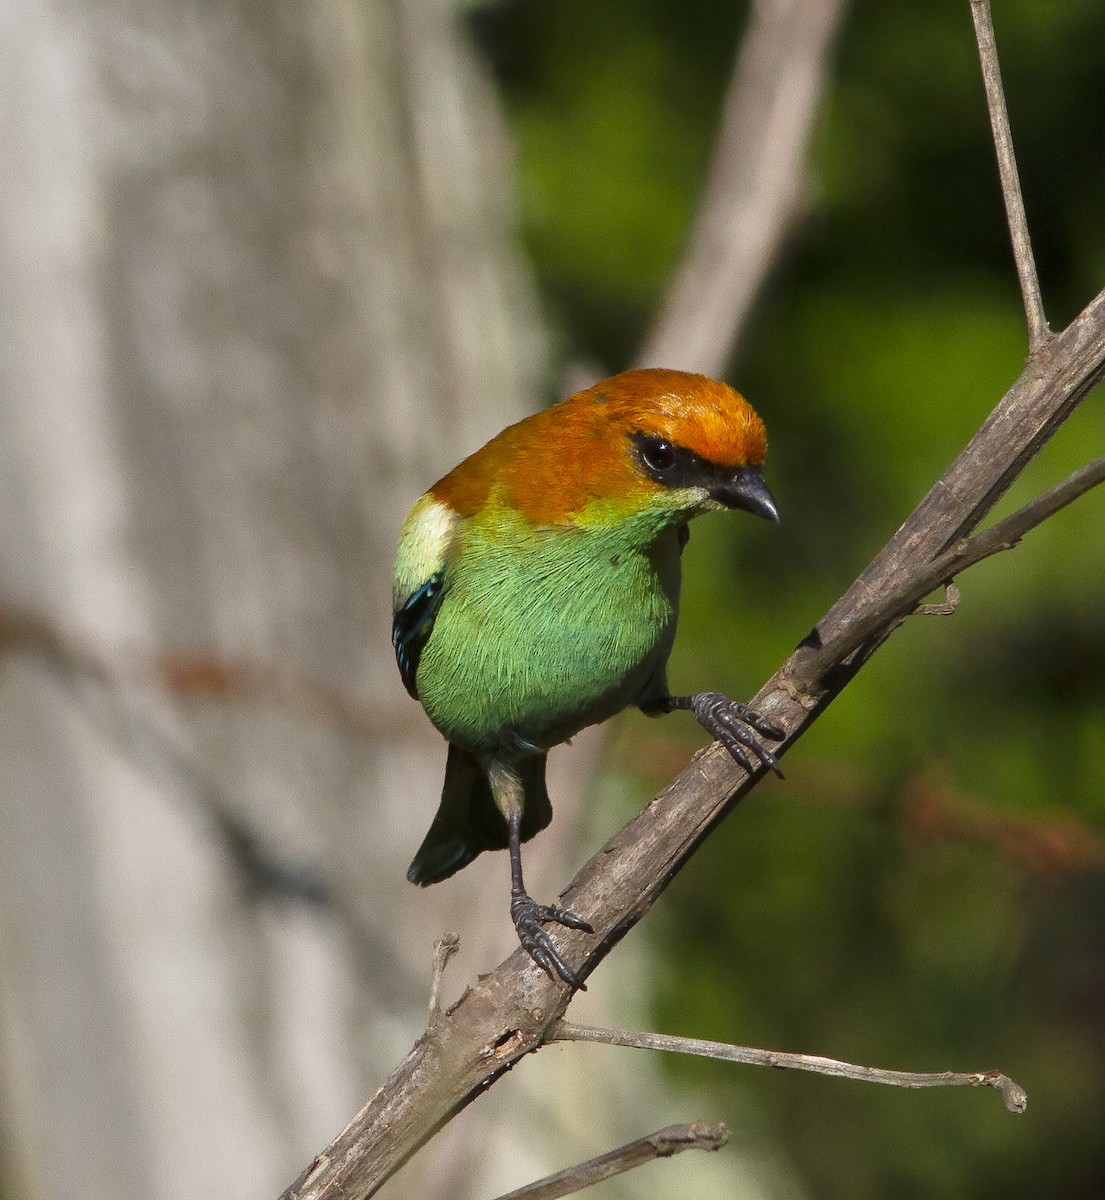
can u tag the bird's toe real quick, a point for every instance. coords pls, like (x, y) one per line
(735, 725)
(528, 920)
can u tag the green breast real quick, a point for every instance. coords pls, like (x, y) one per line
(541, 633)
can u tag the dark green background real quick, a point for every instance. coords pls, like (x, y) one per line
(927, 889)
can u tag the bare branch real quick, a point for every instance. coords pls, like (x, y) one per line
(754, 187)
(1044, 396)
(511, 1011)
(1047, 844)
(200, 674)
(1013, 1095)
(672, 1139)
(1038, 331)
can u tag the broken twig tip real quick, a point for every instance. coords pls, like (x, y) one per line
(946, 608)
(1013, 1096)
(444, 948)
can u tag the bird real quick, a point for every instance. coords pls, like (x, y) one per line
(536, 592)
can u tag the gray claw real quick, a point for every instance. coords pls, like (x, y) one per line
(528, 916)
(732, 724)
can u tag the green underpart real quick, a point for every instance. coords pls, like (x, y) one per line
(543, 631)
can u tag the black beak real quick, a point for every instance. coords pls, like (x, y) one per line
(746, 489)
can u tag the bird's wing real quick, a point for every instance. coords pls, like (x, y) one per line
(411, 626)
(425, 547)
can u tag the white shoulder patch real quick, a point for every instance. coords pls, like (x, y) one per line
(423, 546)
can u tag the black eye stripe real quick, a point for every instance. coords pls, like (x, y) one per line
(673, 466)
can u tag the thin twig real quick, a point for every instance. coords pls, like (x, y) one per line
(1012, 1094)
(1038, 331)
(1009, 531)
(444, 948)
(900, 598)
(673, 1139)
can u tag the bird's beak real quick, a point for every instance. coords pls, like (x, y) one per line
(746, 489)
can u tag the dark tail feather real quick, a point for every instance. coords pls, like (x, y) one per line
(468, 821)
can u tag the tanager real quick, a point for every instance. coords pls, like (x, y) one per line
(536, 593)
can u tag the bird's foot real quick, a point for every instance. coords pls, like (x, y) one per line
(735, 725)
(528, 918)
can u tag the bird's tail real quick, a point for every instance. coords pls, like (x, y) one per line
(468, 821)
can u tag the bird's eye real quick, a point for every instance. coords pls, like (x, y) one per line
(658, 454)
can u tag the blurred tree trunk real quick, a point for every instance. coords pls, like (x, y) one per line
(259, 286)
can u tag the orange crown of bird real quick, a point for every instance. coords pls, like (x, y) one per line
(550, 464)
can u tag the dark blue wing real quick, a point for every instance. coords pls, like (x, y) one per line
(411, 626)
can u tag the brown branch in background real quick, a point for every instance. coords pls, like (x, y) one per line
(754, 187)
(1012, 1094)
(104, 693)
(673, 1139)
(199, 674)
(1038, 331)
(23, 630)
(1050, 844)
(202, 675)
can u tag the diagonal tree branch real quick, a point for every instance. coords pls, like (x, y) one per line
(1047, 392)
(512, 1011)
(901, 596)
(516, 1008)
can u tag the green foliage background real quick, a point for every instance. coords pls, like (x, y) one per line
(927, 889)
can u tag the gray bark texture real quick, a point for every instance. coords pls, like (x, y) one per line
(259, 286)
